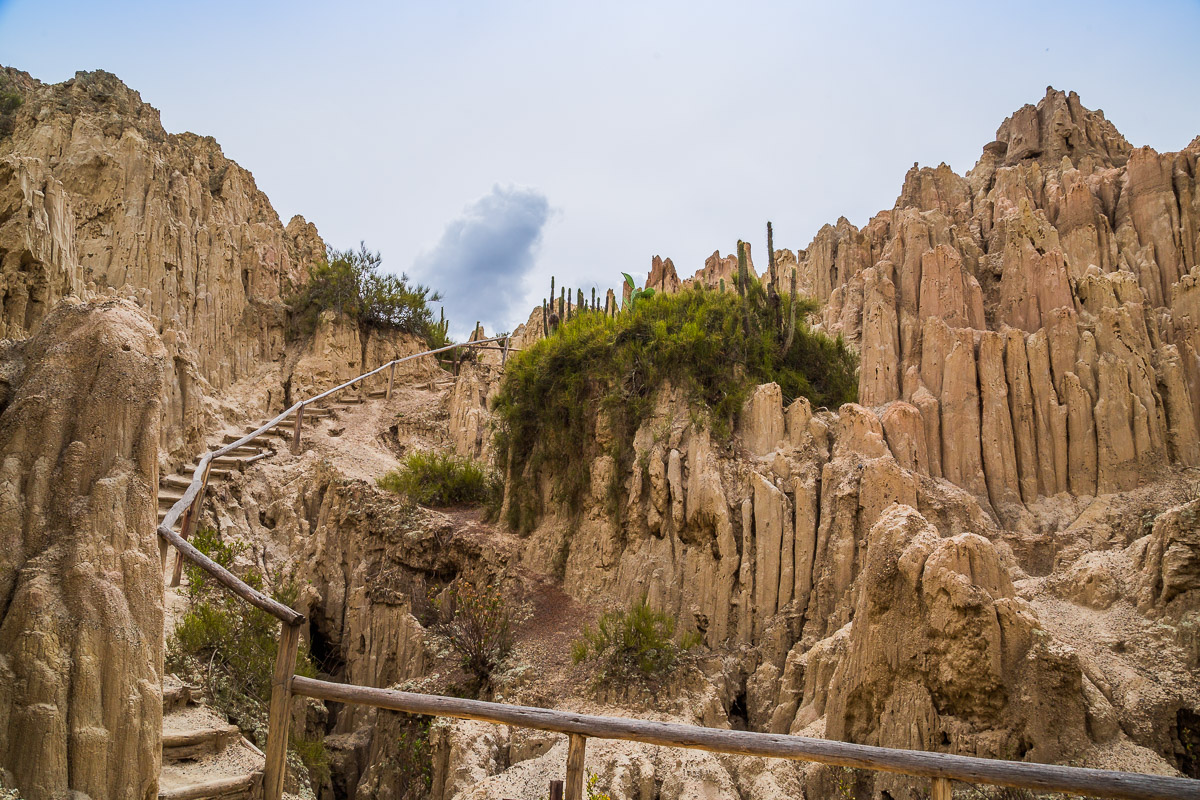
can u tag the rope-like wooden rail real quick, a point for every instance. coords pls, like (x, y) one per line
(918, 763)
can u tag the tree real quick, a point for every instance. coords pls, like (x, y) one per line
(349, 282)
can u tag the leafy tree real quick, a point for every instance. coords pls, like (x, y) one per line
(350, 283)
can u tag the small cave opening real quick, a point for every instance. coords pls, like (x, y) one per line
(739, 720)
(1186, 737)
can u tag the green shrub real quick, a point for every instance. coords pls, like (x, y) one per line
(639, 642)
(228, 646)
(349, 282)
(477, 623)
(715, 345)
(413, 760)
(441, 479)
(9, 103)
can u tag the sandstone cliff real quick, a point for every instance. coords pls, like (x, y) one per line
(96, 198)
(81, 592)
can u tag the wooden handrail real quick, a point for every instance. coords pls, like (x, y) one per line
(918, 763)
(222, 575)
(229, 580)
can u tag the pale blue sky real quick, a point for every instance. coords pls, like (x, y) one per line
(582, 139)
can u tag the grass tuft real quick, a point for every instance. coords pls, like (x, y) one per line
(636, 643)
(441, 479)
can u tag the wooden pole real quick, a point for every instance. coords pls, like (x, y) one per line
(189, 523)
(940, 789)
(296, 435)
(556, 790)
(575, 752)
(280, 712)
(504, 354)
(391, 382)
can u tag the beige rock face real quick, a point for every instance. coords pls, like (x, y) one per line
(941, 649)
(99, 199)
(1077, 249)
(80, 577)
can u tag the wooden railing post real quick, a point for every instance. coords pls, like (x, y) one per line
(187, 526)
(556, 790)
(279, 714)
(391, 381)
(575, 750)
(296, 435)
(940, 789)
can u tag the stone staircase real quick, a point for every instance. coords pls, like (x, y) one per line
(171, 487)
(203, 756)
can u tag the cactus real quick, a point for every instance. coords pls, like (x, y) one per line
(545, 319)
(722, 286)
(593, 306)
(562, 302)
(743, 274)
(579, 302)
(791, 328)
(551, 294)
(771, 256)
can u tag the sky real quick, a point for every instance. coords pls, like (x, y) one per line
(484, 146)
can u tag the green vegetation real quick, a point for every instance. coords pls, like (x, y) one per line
(228, 647)
(477, 624)
(715, 345)
(10, 101)
(349, 282)
(440, 479)
(413, 760)
(639, 642)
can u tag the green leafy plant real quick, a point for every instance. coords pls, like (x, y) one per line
(477, 624)
(349, 282)
(9, 103)
(553, 393)
(638, 642)
(228, 646)
(441, 479)
(636, 293)
(413, 759)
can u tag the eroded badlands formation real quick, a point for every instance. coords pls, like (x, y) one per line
(994, 552)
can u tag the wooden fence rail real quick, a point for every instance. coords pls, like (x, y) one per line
(1039, 777)
(940, 768)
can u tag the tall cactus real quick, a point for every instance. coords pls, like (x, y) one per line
(545, 320)
(579, 303)
(771, 256)
(722, 286)
(593, 306)
(743, 274)
(562, 303)
(551, 294)
(791, 328)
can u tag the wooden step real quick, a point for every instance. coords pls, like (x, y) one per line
(378, 393)
(234, 787)
(176, 697)
(233, 437)
(200, 742)
(168, 498)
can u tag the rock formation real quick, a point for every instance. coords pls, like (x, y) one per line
(81, 586)
(96, 198)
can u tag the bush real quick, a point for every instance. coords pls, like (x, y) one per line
(635, 643)
(715, 345)
(439, 479)
(349, 282)
(228, 646)
(477, 624)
